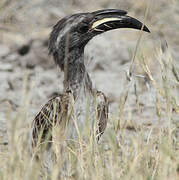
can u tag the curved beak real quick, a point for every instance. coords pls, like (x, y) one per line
(109, 19)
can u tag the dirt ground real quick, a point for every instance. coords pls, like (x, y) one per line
(29, 77)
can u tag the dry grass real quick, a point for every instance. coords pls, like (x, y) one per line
(129, 150)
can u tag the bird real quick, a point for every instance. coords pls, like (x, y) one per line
(79, 98)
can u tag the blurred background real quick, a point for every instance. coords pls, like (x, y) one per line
(29, 76)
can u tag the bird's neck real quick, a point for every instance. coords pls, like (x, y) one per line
(76, 76)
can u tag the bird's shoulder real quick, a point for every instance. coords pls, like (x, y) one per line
(53, 107)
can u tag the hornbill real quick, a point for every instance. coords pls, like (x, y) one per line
(66, 44)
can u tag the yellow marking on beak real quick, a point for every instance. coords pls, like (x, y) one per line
(104, 20)
(107, 26)
(100, 30)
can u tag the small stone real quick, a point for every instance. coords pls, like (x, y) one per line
(3, 50)
(6, 67)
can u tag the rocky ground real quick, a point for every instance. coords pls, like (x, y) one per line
(29, 77)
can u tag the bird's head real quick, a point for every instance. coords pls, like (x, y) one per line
(76, 30)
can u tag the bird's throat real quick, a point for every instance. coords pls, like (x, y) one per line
(76, 77)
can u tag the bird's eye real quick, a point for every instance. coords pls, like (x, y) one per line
(83, 28)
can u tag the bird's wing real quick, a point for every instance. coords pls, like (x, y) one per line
(42, 123)
(102, 113)
(52, 113)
